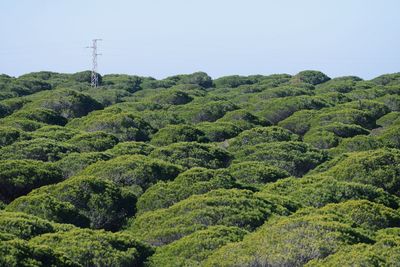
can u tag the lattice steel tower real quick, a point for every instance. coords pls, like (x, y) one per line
(94, 77)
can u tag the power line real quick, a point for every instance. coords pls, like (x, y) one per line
(94, 77)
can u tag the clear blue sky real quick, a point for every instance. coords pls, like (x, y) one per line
(160, 38)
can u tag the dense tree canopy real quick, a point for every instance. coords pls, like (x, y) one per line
(277, 170)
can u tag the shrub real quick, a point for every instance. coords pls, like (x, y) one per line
(218, 131)
(76, 162)
(125, 126)
(37, 149)
(291, 241)
(193, 154)
(102, 203)
(96, 248)
(134, 172)
(130, 148)
(193, 249)
(192, 182)
(255, 174)
(319, 191)
(297, 158)
(243, 119)
(18, 252)
(93, 141)
(8, 135)
(310, 76)
(219, 207)
(261, 135)
(24, 226)
(19, 177)
(177, 133)
(377, 167)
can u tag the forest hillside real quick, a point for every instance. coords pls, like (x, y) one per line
(278, 170)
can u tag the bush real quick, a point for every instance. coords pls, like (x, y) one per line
(218, 131)
(43, 115)
(18, 252)
(193, 154)
(243, 119)
(310, 76)
(378, 167)
(19, 177)
(299, 122)
(255, 174)
(100, 201)
(53, 132)
(37, 149)
(291, 241)
(133, 172)
(193, 249)
(297, 158)
(177, 133)
(85, 77)
(319, 191)
(125, 126)
(94, 141)
(261, 135)
(24, 226)
(192, 182)
(219, 207)
(50, 208)
(8, 135)
(67, 103)
(130, 148)
(76, 162)
(96, 248)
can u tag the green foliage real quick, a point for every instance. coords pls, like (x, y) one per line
(125, 126)
(301, 238)
(243, 119)
(171, 97)
(100, 201)
(24, 226)
(75, 162)
(37, 149)
(297, 158)
(8, 135)
(380, 168)
(133, 172)
(196, 112)
(85, 77)
(317, 191)
(233, 81)
(93, 141)
(219, 207)
(192, 154)
(299, 122)
(387, 79)
(255, 174)
(177, 133)
(218, 131)
(54, 132)
(191, 182)
(193, 249)
(96, 248)
(19, 253)
(261, 135)
(276, 110)
(19, 177)
(66, 102)
(310, 76)
(191, 164)
(50, 208)
(130, 148)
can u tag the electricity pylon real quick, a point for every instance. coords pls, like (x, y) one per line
(94, 78)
